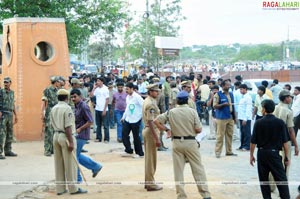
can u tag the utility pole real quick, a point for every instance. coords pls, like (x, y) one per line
(146, 17)
(287, 47)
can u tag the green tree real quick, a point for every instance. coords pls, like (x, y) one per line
(83, 18)
(161, 20)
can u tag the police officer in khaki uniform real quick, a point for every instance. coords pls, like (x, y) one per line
(162, 108)
(185, 125)
(225, 116)
(150, 134)
(187, 86)
(64, 143)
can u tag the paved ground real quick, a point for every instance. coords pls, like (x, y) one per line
(228, 177)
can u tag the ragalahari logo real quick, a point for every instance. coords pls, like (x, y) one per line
(281, 5)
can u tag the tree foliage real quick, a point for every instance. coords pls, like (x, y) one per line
(238, 52)
(83, 18)
(161, 20)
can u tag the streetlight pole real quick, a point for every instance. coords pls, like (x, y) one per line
(146, 16)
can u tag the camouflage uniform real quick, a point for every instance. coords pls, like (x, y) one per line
(6, 124)
(51, 98)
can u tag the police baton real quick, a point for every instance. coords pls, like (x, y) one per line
(75, 159)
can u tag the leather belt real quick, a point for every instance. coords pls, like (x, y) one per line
(184, 137)
(59, 131)
(261, 148)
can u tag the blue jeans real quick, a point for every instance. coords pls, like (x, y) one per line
(111, 116)
(105, 120)
(245, 135)
(167, 103)
(141, 131)
(85, 161)
(119, 115)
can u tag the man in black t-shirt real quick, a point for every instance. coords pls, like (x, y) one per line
(269, 135)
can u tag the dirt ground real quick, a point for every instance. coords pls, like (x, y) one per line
(228, 177)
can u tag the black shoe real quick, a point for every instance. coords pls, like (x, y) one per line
(87, 142)
(79, 191)
(119, 140)
(84, 151)
(96, 172)
(11, 154)
(231, 154)
(156, 188)
(2, 157)
(161, 149)
(61, 193)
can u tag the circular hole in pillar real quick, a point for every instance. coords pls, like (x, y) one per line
(43, 51)
(8, 52)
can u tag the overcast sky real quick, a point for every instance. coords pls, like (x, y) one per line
(214, 22)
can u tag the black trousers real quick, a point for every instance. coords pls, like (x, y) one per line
(296, 124)
(134, 127)
(271, 161)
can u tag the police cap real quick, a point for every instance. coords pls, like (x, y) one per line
(186, 83)
(153, 87)
(75, 81)
(284, 92)
(63, 92)
(6, 79)
(182, 95)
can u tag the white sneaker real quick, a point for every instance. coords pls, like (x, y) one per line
(137, 156)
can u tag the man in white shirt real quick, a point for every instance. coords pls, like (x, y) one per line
(142, 86)
(296, 109)
(131, 122)
(275, 91)
(244, 117)
(102, 116)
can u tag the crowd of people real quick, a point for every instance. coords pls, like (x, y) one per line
(149, 107)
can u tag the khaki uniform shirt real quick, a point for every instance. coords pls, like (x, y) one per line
(282, 111)
(191, 102)
(161, 102)
(174, 93)
(62, 117)
(150, 110)
(183, 120)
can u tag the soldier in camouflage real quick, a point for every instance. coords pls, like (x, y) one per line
(7, 109)
(49, 100)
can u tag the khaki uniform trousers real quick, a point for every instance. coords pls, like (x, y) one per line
(150, 157)
(224, 128)
(188, 149)
(287, 168)
(65, 165)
